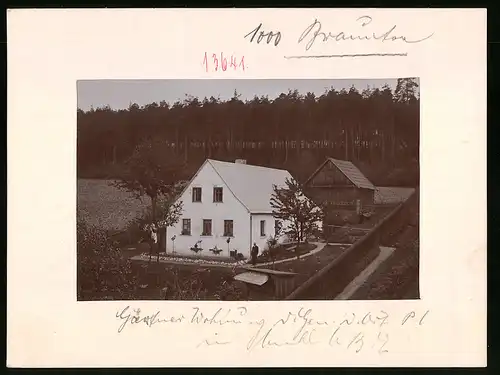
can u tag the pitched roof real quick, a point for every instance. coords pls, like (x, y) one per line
(353, 173)
(350, 171)
(252, 185)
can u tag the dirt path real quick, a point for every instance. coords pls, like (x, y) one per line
(359, 280)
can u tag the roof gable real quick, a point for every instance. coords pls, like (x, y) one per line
(252, 185)
(207, 164)
(349, 170)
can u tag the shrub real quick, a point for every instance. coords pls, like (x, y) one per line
(184, 288)
(272, 248)
(199, 285)
(136, 230)
(102, 271)
(228, 291)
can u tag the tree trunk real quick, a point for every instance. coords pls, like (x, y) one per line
(177, 139)
(231, 139)
(346, 146)
(153, 209)
(394, 142)
(393, 150)
(383, 147)
(153, 221)
(359, 144)
(286, 150)
(370, 148)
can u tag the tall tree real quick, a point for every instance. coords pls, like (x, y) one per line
(301, 217)
(155, 171)
(406, 90)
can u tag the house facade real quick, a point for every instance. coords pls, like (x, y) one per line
(340, 185)
(226, 201)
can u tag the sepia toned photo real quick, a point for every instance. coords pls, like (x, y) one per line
(251, 190)
(248, 189)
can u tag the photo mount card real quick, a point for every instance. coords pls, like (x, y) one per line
(276, 188)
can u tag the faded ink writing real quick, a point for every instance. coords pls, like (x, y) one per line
(268, 37)
(213, 341)
(314, 32)
(220, 317)
(135, 317)
(353, 332)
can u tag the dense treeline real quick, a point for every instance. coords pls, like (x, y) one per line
(377, 129)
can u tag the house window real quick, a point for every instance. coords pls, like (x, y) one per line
(186, 227)
(217, 194)
(228, 228)
(262, 228)
(277, 228)
(197, 194)
(207, 227)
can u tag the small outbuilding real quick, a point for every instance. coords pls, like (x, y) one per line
(340, 184)
(262, 283)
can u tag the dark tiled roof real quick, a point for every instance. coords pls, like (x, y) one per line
(352, 173)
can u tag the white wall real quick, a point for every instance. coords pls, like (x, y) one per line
(269, 230)
(229, 209)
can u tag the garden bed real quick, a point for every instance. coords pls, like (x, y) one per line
(214, 260)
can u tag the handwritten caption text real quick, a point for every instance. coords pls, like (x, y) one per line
(351, 331)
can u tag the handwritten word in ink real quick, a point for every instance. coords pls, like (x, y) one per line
(367, 331)
(220, 62)
(268, 37)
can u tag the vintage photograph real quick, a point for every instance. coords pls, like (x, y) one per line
(248, 189)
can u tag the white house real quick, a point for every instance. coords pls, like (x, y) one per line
(227, 200)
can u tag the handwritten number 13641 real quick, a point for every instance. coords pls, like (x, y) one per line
(217, 62)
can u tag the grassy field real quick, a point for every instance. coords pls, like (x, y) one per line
(106, 206)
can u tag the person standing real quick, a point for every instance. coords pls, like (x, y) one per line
(254, 253)
(153, 242)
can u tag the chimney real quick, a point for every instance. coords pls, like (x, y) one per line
(240, 161)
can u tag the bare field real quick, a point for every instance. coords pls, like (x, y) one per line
(106, 206)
